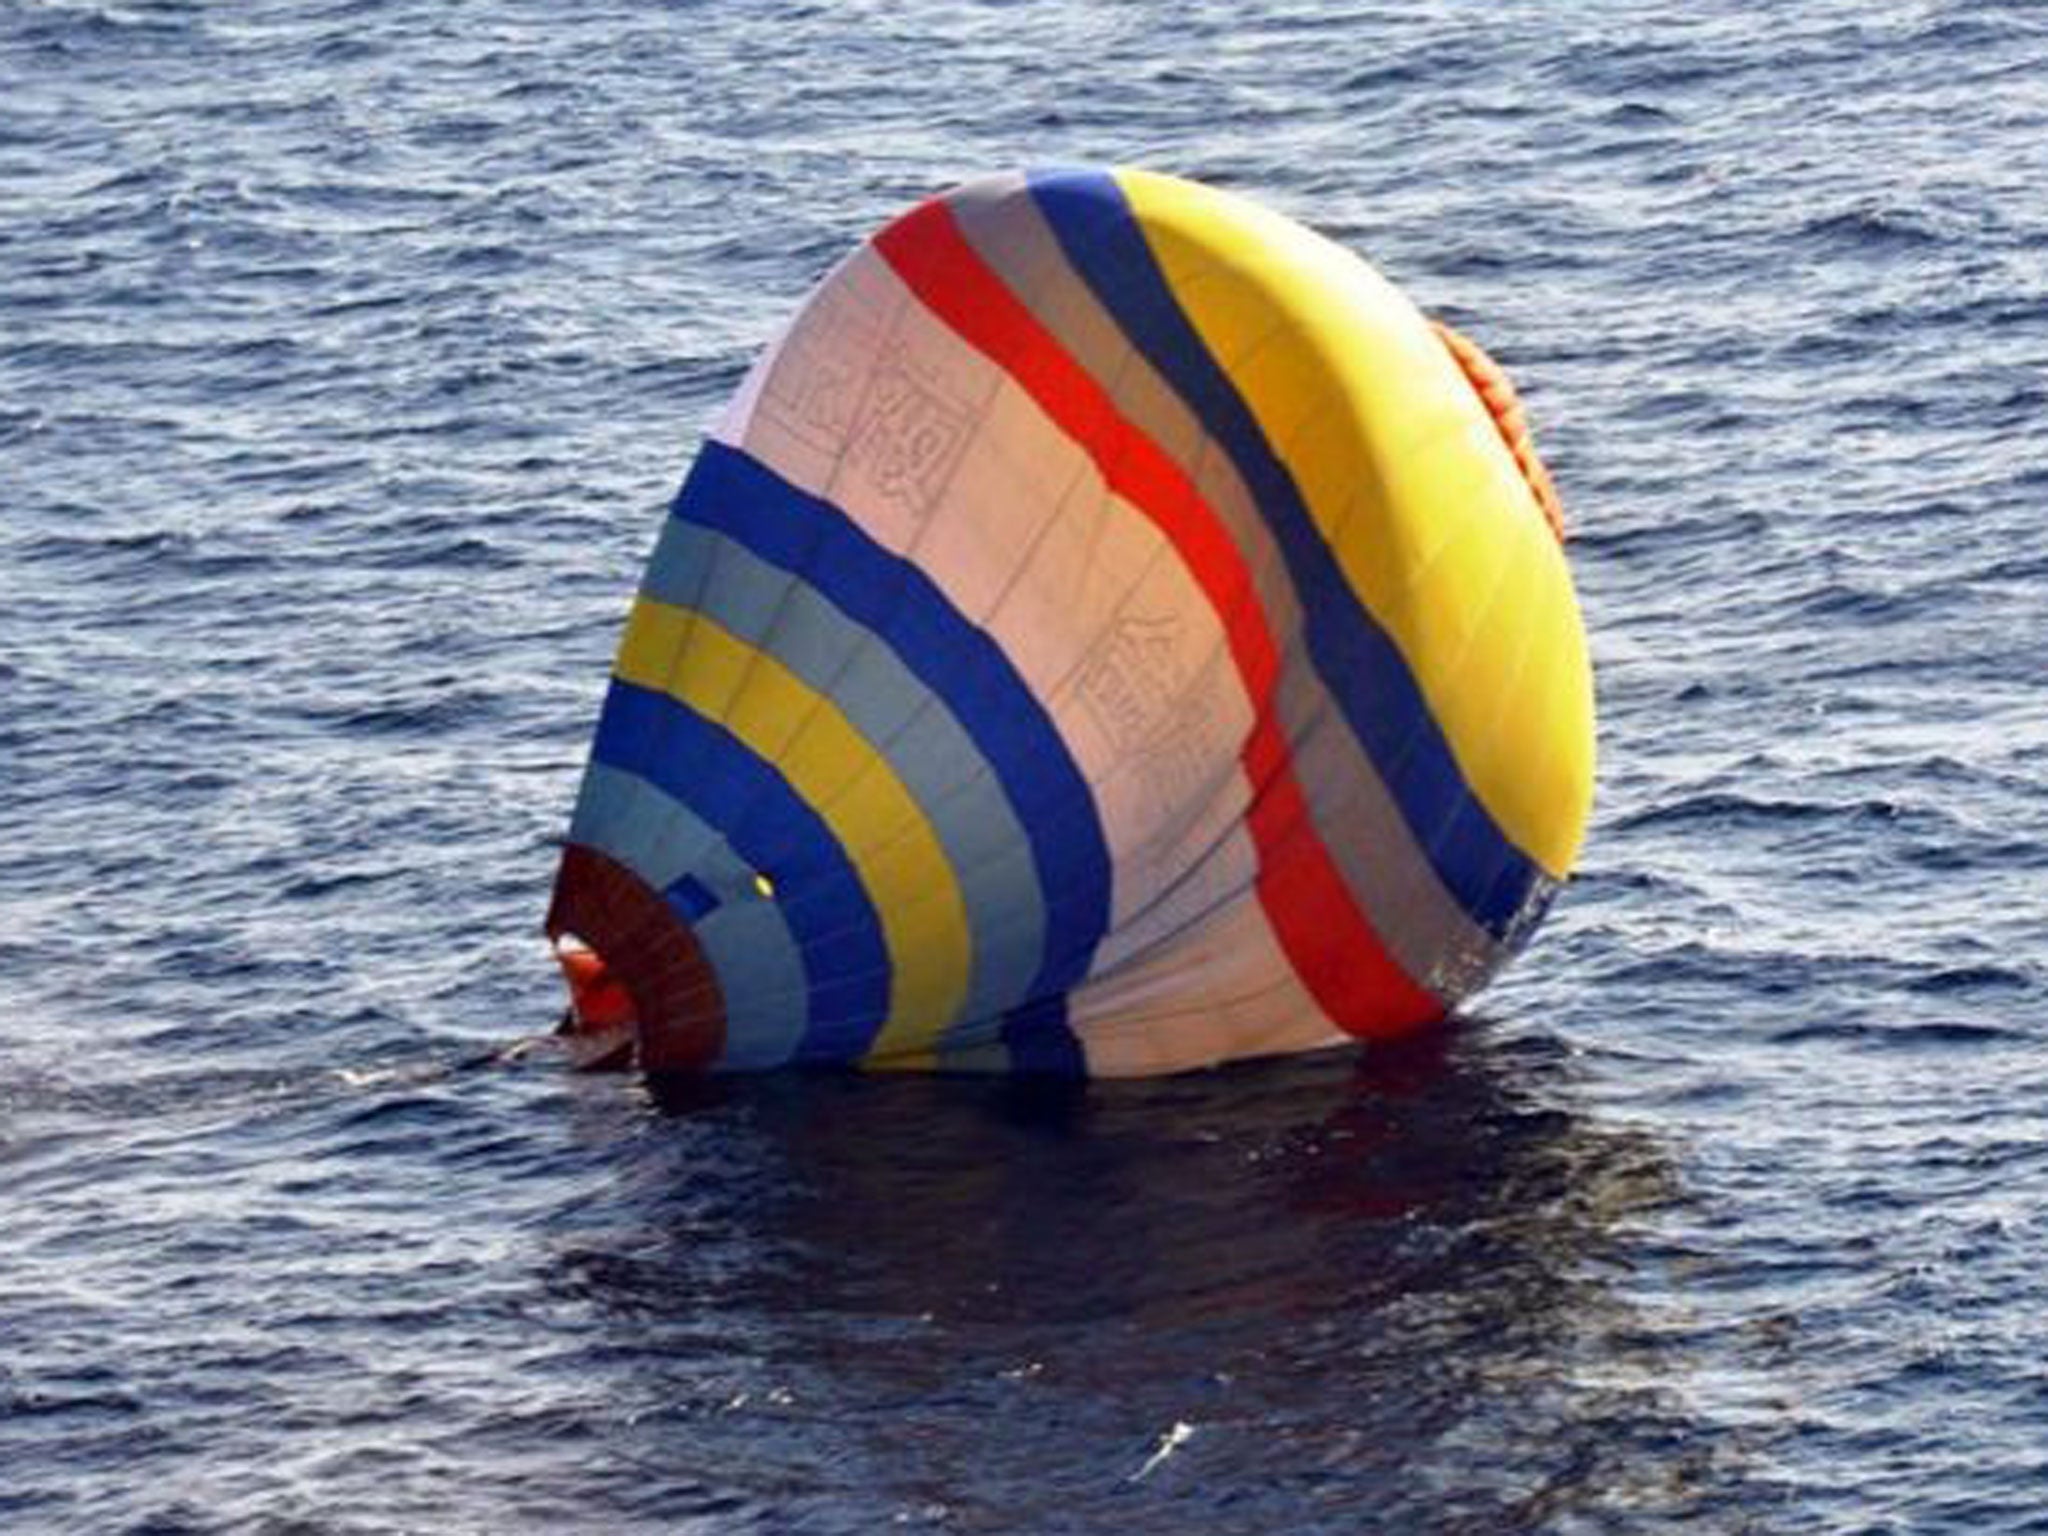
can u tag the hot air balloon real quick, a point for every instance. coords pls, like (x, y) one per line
(1110, 631)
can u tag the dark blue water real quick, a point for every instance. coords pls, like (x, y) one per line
(348, 354)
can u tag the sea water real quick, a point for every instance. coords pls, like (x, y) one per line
(348, 356)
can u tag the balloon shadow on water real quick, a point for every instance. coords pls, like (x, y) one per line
(1251, 1298)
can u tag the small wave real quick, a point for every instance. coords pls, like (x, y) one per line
(30, 1401)
(1672, 533)
(1468, 260)
(1908, 1037)
(1873, 228)
(1951, 34)
(312, 887)
(493, 260)
(1637, 114)
(459, 130)
(531, 90)
(65, 30)
(346, 47)
(1971, 978)
(2027, 568)
(1846, 600)
(1723, 806)
(443, 712)
(400, 1109)
(148, 543)
(1385, 77)
(1682, 404)
(467, 553)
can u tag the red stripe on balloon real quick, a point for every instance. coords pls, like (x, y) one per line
(1327, 937)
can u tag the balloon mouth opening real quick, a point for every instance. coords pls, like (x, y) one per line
(641, 993)
(600, 1018)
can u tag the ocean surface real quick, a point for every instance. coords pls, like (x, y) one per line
(348, 356)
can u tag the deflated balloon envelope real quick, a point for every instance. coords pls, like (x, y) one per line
(1110, 631)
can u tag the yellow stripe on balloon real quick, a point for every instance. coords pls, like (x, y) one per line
(841, 775)
(1402, 471)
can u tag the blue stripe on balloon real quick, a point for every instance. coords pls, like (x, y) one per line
(735, 494)
(783, 616)
(1357, 660)
(1040, 1042)
(715, 775)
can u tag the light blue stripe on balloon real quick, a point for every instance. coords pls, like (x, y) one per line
(907, 724)
(889, 597)
(627, 817)
(761, 976)
(744, 938)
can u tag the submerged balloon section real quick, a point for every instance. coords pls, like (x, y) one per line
(1110, 631)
